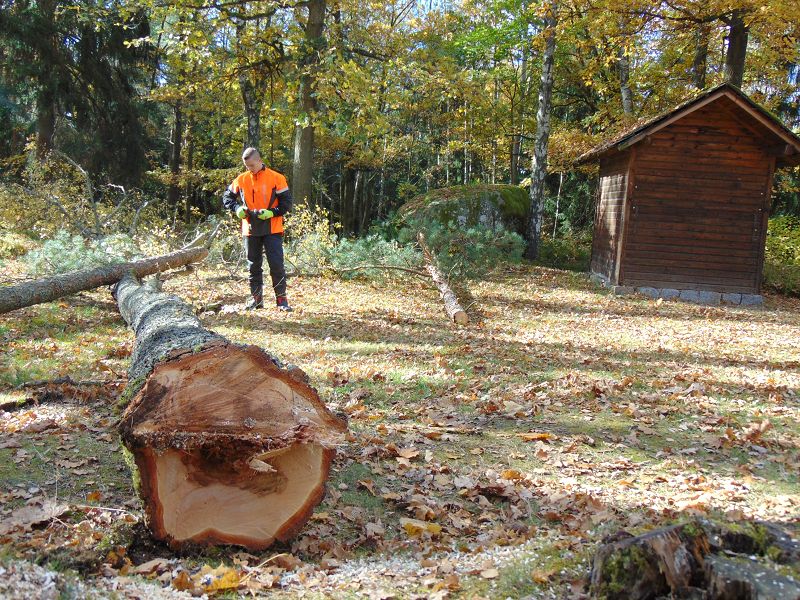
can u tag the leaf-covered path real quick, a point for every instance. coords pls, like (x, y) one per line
(485, 461)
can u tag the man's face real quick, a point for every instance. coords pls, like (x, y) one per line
(254, 164)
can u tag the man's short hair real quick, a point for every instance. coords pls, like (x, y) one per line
(250, 153)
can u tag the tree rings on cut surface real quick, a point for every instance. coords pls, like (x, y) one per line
(230, 447)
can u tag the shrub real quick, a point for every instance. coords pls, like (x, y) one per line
(782, 255)
(783, 240)
(310, 239)
(13, 244)
(467, 253)
(66, 252)
(571, 251)
(372, 250)
(469, 229)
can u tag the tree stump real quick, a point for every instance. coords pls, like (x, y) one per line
(657, 563)
(228, 445)
(699, 559)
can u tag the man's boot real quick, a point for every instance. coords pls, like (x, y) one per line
(283, 304)
(256, 301)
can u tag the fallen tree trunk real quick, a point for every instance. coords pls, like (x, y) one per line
(51, 288)
(229, 446)
(450, 300)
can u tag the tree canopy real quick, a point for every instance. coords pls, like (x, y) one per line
(367, 104)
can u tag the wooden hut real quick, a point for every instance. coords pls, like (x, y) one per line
(683, 199)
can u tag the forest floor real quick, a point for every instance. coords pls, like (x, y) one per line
(483, 461)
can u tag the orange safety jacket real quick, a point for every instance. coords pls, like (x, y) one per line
(260, 191)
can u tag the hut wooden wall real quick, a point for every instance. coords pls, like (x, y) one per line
(609, 215)
(699, 204)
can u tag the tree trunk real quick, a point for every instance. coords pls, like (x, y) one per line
(346, 198)
(365, 204)
(516, 140)
(46, 93)
(382, 186)
(700, 61)
(252, 109)
(738, 33)
(303, 170)
(175, 140)
(699, 559)
(624, 68)
(252, 84)
(356, 190)
(229, 446)
(558, 201)
(450, 300)
(539, 166)
(189, 189)
(495, 124)
(45, 120)
(51, 288)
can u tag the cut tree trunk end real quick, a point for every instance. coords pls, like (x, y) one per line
(29, 293)
(457, 314)
(230, 447)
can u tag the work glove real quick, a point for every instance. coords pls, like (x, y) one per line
(265, 214)
(241, 212)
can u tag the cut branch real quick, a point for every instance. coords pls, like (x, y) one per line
(51, 288)
(451, 305)
(230, 446)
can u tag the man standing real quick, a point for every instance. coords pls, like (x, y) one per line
(260, 197)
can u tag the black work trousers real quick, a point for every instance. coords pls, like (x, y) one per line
(271, 245)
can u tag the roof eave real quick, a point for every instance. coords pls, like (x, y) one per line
(756, 111)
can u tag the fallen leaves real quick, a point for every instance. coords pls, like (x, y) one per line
(528, 431)
(542, 576)
(32, 514)
(490, 573)
(156, 565)
(416, 528)
(536, 436)
(754, 431)
(211, 580)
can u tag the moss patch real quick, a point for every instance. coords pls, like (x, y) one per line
(496, 206)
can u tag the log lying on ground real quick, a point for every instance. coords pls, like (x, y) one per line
(230, 447)
(450, 300)
(29, 293)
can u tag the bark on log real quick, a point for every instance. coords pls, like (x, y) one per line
(51, 288)
(450, 300)
(229, 446)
